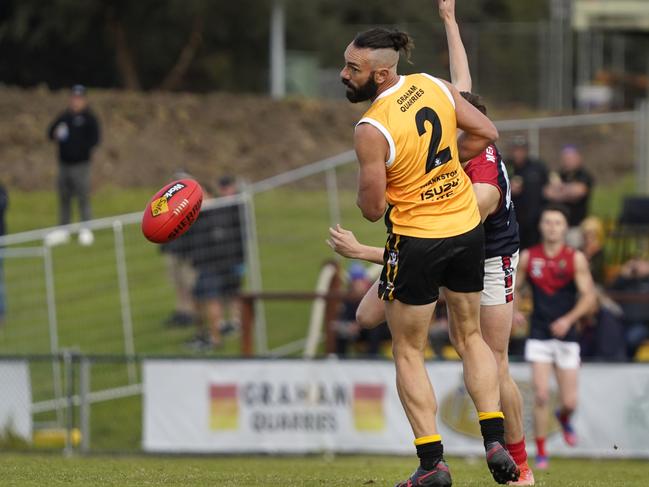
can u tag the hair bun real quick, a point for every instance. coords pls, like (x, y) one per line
(400, 39)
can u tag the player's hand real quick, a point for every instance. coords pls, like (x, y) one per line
(343, 242)
(559, 327)
(519, 321)
(446, 9)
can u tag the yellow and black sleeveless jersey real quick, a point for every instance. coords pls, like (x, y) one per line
(428, 193)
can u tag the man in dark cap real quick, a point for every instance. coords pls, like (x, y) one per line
(76, 131)
(529, 176)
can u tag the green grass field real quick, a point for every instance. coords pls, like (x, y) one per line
(292, 227)
(352, 471)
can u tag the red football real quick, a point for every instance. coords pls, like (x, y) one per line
(172, 210)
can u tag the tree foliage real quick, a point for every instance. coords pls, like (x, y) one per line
(196, 45)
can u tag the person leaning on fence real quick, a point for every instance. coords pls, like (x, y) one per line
(217, 253)
(4, 204)
(76, 131)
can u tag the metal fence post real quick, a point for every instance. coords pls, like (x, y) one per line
(124, 298)
(254, 268)
(277, 50)
(68, 367)
(534, 140)
(53, 328)
(84, 402)
(642, 146)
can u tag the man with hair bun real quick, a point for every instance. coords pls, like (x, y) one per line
(410, 165)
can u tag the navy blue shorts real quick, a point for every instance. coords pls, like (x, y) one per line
(210, 285)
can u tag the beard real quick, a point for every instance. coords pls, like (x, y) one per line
(362, 93)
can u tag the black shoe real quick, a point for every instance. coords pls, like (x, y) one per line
(501, 464)
(229, 327)
(440, 476)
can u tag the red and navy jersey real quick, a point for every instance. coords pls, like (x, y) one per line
(554, 291)
(501, 227)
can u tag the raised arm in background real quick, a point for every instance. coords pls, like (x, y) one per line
(458, 61)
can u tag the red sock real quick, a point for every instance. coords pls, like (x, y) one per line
(540, 447)
(518, 451)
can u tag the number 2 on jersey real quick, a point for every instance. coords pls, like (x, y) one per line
(435, 158)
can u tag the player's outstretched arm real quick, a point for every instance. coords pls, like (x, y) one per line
(478, 130)
(459, 63)
(344, 242)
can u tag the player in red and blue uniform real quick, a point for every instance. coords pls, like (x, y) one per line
(562, 293)
(501, 228)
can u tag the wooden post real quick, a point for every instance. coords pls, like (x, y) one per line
(331, 311)
(247, 324)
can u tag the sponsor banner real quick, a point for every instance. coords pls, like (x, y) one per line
(15, 399)
(295, 406)
(285, 406)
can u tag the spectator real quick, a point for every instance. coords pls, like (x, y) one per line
(217, 253)
(4, 204)
(529, 176)
(76, 131)
(182, 274)
(348, 331)
(602, 334)
(572, 189)
(592, 230)
(634, 278)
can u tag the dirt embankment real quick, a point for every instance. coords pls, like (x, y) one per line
(146, 136)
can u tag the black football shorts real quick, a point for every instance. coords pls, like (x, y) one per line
(415, 268)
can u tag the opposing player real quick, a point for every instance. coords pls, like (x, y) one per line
(562, 293)
(490, 183)
(409, 154)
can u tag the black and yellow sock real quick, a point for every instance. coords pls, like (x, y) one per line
(492, 426)
(429, 450)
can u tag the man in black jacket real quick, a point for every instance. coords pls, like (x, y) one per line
(528, 177)
(76, 131)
